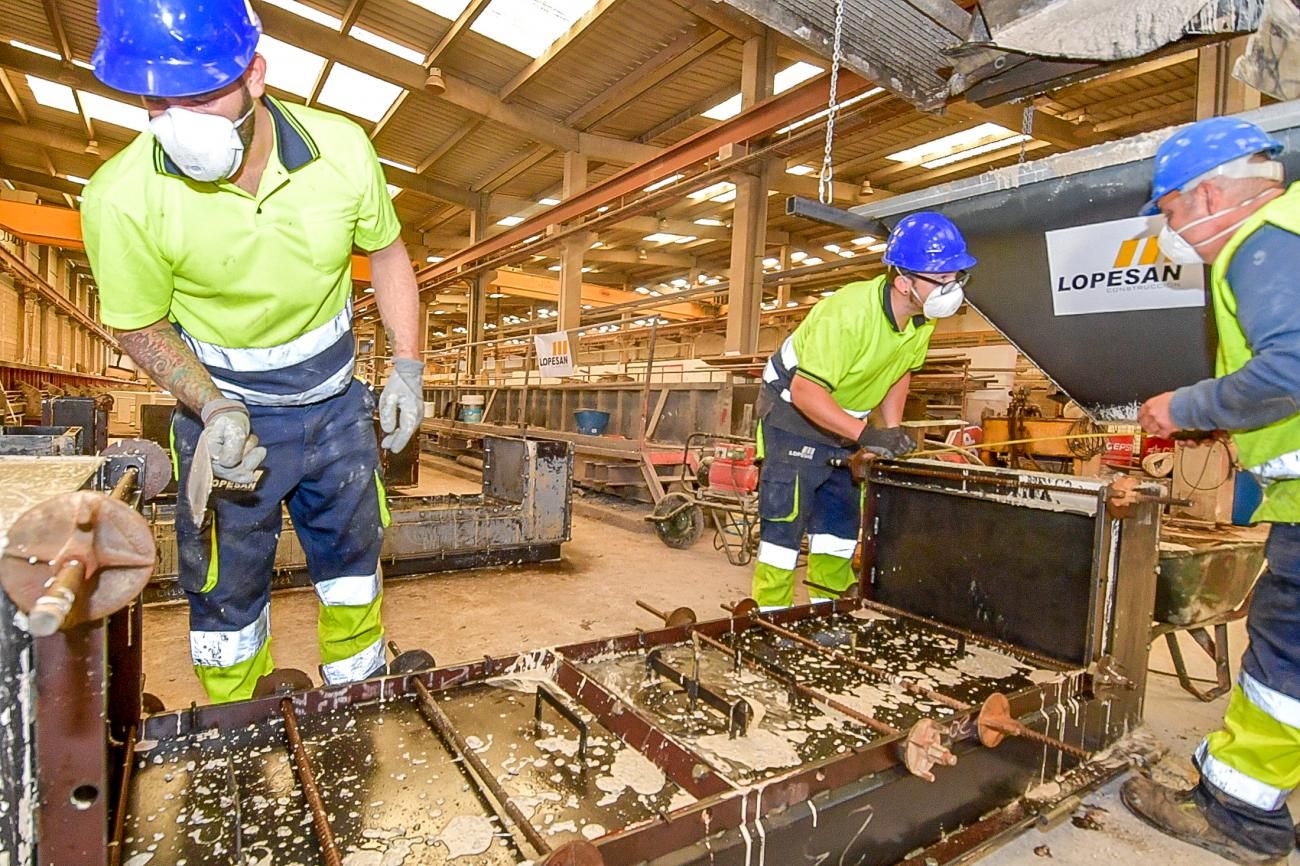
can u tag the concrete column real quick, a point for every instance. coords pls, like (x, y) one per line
(783, 287)
(749, 222)
(476, 314)
(20, 328)
(1217, 92)
(39, 342)
(573, 250)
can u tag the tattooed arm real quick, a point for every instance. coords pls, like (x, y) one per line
(161, 353)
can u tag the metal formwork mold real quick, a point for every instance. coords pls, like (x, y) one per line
(655, 785)
(523, 515)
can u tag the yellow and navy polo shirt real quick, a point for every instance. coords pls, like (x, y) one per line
(233, 269)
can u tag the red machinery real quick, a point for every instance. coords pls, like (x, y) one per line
(719, 478)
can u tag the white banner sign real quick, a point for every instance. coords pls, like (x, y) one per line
(554, 354)
(1117, 266)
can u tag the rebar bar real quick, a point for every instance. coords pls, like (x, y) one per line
(320, 821)
(445, 729)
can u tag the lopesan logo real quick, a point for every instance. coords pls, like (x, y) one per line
(1138, 263)
(559, 355)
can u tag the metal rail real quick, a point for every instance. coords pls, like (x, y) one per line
(329, 849)
(123, 795)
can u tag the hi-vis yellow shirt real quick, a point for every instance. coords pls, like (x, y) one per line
(234, 269)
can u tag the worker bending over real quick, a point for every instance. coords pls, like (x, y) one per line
(221, 243)
(1220, 188)
(853, 354)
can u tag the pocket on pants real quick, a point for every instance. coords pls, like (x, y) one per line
(778, 493)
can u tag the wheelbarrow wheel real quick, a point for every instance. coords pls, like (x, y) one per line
(686, 524)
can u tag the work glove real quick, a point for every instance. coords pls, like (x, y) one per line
(889, 442)
(401, 405)
(225, 439)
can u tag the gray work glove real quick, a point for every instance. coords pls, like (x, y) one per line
(401, 405)
(889, 442)
(225, 438)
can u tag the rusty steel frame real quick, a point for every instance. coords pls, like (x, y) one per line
(720, 805)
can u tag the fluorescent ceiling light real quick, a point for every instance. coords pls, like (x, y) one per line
(393, 190)
(433, 260)
(832, 248)
(357, 93)
(403, 166)
(289, 67)
(681, 282)
(660, 184)
(730, 195)
(496, 296)
(813, 118)
(369, 290)
(510, 221)
(863, 241)
(44, 52)
(770, 262)
(302, 10)
(713, 191)
(76, 179)
(669, 238)
(710, 221)
(117, 113)
(812, 260)
(876, 248)
(52, 94)
(83, 64)
(553, 268)
(387, 45)
(949, 144)
(548, 201)
(798, 256)
(529, 26)
(975, 151)
(800, 170)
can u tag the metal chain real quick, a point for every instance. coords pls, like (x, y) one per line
(1026, 128)
(825, 189)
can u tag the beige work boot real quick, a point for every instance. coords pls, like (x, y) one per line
(1175, 814)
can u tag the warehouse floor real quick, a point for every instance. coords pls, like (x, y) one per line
(592, 593)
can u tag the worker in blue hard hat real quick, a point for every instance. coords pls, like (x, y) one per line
(1221, 190)
(221, 241)
(852, 357)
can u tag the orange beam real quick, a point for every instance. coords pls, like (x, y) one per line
(61, 227)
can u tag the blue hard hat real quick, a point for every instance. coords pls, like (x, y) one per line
(174, 48)
(927, 243)
(1206, 144)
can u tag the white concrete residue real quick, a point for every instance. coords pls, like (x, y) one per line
(681, 799)
(592, 832)
(866, 613)
(1042, 677)
(564, 745)
(632, 770)
(527, 671)
(139, 859)
(758, 749)
(984, 663)
(466, 836)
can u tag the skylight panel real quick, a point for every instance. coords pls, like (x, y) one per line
(975, 151)
(813, 118)
(957, 142)
(289, 67)
(800, 170)
(725, 110)
(714, 191)
(357, 93)
(669, 238)
(510, 221)
(387, 45)
(549, 201)
(529, 26)
(302, 10)
(660, 184)
(44, 52)
(117, 113)
(77, 179)
(792, 75)
(51, 94)
(403, 166)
